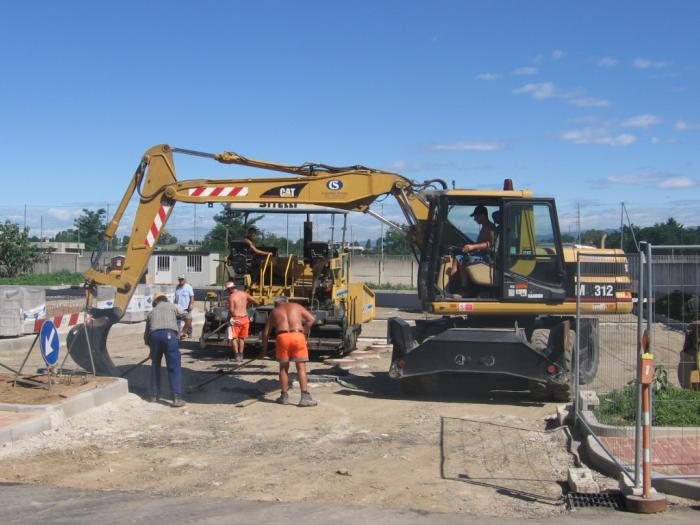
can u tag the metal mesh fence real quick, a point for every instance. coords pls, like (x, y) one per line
(607, 400)
(675, 326)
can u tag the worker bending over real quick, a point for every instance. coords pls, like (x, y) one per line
(239, 323)
(292, 324)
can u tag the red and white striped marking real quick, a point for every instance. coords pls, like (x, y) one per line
(157, 225)
(62, 321)
(215, 191)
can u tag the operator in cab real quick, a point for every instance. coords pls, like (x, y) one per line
(250, 240)
(292, 324)
(239, 323)
(485, 242)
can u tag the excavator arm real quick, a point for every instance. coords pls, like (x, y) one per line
(351, 188)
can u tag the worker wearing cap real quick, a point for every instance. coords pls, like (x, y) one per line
(239, 323)
(484, 243)
(162, 336)
(292, 324)
(184, 297)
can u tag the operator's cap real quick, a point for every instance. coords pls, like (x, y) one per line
(281, 299)
(159, 297)
(480, 210)
(181, 276)
(229, 284)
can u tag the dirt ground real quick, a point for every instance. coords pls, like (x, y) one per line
(61, 388)
(483, 452)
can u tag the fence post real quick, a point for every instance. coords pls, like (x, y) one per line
(578, 335)
(640, 351)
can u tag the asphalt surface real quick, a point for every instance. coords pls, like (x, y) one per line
(35, 504)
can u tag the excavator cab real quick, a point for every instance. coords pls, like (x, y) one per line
(524, 261)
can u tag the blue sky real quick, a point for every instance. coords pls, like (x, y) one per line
(589, 102)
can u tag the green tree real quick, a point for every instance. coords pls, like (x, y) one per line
(17, 255)
(229, 225)
(90, 227)
(166, 238)
(396, 242)
(66, 236)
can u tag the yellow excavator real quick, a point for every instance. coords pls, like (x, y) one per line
(514, 317)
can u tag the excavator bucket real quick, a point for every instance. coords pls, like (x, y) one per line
(87, 345)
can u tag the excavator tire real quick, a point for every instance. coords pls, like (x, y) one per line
(557, 388)
(589, 349)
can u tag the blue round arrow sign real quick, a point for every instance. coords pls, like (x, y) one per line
(49, 343)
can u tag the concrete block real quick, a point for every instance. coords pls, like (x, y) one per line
(78, 404)
(588, 400)
(626, 485)
(110, 391)
(581, 480)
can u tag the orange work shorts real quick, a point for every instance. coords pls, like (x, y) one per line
(291, 346)
(239, 327)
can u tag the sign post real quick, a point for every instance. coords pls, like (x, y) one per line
(50, 344)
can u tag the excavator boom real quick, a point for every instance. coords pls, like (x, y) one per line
(352, 188)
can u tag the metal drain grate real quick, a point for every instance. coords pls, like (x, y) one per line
(608, 500)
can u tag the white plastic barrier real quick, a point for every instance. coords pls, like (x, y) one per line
(33, 308)
(10, 311)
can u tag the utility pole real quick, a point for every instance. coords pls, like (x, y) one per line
(194, 209)
(25, 218)
(41, 235)
(381, 246)
(622, 225)
(579, 222)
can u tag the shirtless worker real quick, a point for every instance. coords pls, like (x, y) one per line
(292, 324)
(239, 324)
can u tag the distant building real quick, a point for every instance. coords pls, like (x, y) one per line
(60, 247)
(199, 268)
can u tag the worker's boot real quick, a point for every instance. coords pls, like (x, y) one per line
(306, 400)
(283, 399)
(178, 402)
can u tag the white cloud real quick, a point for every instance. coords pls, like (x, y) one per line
(410, 166)
(600, 136)
(645, 63)
(487, 76)
(607, 62)
(557, 54)
(661, 180)
(470, 146)
(538, 90)
(590, 102)
(641, 121)
(545, 90)
(60, 214)
(684, 125)
(525, 71)
(658, 140)
(678, 183)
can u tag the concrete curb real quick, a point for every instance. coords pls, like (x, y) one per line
(601, 429)
(26, 428)
(602, 461)
(52, 415)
